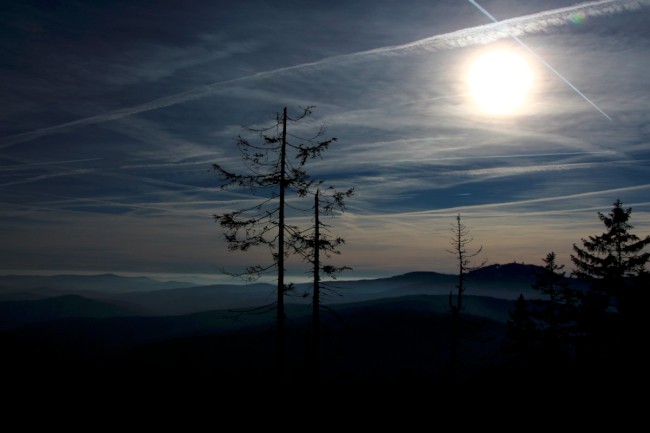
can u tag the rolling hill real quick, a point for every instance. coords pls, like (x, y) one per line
(144, 296)
(380, 331)
(14, 314)
(23, 287)
(383, 336)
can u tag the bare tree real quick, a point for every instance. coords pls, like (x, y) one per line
(316, 242)
(459, 243)
(273, 168)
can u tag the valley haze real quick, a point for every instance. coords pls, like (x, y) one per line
(151, 297)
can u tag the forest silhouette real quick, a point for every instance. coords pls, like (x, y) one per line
(562, 325)
(569, 331)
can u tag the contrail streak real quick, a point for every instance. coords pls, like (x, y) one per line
(30, 165)
(542, 61)
(462, 38)
(46, 176)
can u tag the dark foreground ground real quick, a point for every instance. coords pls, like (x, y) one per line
(392, 353)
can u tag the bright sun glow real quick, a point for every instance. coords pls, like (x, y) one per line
(499, 82)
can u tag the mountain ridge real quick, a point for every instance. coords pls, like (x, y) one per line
(383, 336)
(501, 281)
(11, 285)
(19, 313)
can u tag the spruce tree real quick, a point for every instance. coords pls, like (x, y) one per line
(610, 261)
(557, 310)
(317, 244)
(521, 332)
(613, 264)
(272, 168)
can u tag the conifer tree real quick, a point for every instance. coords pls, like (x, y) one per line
(521, 332)
(610, 261)
(272, 168)
(614, 266)
(557, 310)
(459, 248)
(317, 244)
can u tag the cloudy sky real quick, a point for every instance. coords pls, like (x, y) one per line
(113, 112)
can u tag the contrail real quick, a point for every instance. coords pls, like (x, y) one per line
(47, 176)
(542, 61)
(29, 165)
(462, 38)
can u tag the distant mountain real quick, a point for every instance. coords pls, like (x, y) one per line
(220, 297)
(409, 283)
(145, 296)
(201, 298)
(19, 313)
(382, 331)
(512, 272)
(15, 287)
(500, 281)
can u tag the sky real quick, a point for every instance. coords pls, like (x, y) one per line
(114, 111)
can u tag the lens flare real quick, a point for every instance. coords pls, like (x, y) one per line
(578, 18)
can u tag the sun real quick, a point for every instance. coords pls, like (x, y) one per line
(499, 82)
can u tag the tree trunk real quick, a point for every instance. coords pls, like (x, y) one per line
(453, 349)
(315, 330)
(281, 342)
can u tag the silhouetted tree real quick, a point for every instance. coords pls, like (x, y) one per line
(459, 241)
(635, 321)
(521, 332)
(613, 264)
(316, 242)
(557, 310)
(609, 261)
(273, 167)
